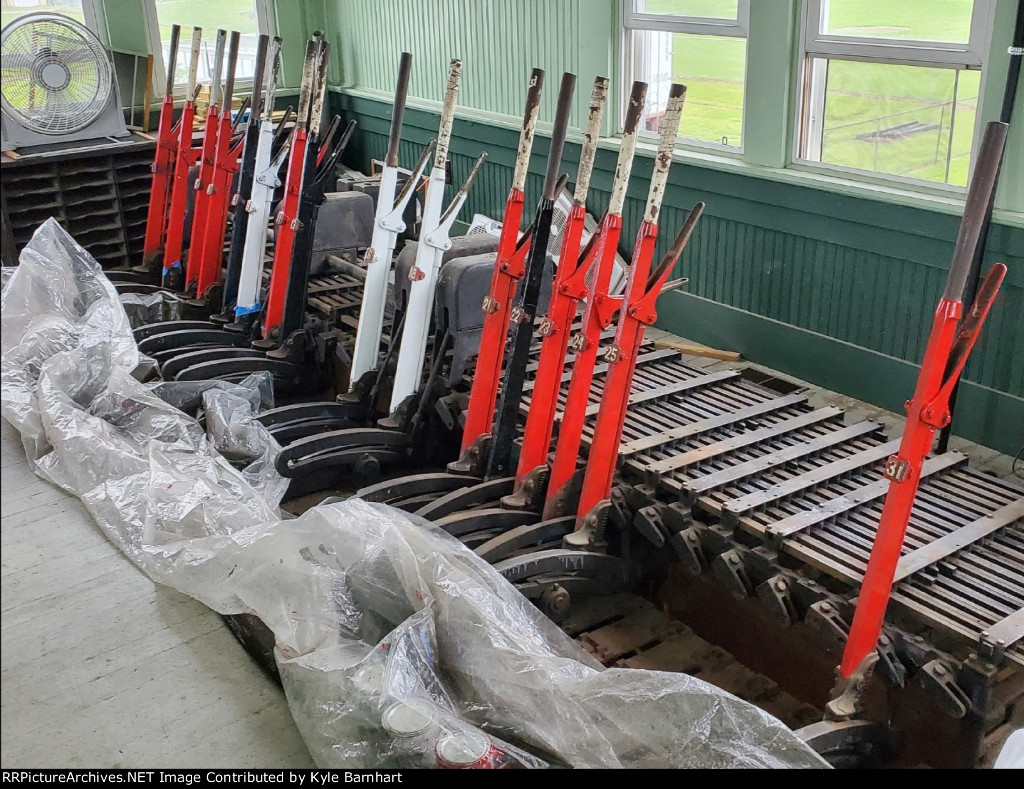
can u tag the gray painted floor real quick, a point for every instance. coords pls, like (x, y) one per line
(103, 668)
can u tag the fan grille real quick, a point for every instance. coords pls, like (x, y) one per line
(55, 77)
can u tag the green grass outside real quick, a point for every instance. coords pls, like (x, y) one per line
(859, 93)
(73, 11)
(210, 16)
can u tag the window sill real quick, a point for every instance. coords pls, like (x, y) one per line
(804, 175)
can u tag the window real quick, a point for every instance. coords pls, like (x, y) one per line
(12, 9)
(893, 88)
(700, 43)
(248, 17)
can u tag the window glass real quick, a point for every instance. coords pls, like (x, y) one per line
(916, 20)
(711, 9)
(892, 88)
(713, 70)
(210, 15)
(12, 9)
(903, 120)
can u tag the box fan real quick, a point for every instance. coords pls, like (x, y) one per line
(56, 84)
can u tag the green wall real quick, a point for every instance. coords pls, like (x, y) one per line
(831, 287)
(812, 278)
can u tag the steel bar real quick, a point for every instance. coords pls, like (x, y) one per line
(187, 154)
(523, 314)
(598, 313)
(928, 409)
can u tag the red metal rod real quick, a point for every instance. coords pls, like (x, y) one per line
(642, 293)
(163, 163)
(509, 269)
(597, 316)
(187, 156)
(928, 410)
(211, 264)
(563, 304)
(207, 167)
(218, 194)
(284, 234)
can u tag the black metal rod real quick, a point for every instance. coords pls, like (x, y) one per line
(561, 125)
(974, 275)
(398, 109)
(172, 58)
(257, 78)
(229, 81)
(521, 321)
(976, 209)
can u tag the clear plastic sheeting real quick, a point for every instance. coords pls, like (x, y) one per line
(230, 412)
(396, 645)
(144, 308)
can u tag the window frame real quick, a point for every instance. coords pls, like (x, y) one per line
(92, 17)
(631, 21)
(264, 24)
(971, 55)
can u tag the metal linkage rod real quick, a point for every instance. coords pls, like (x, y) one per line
(562, 307)
(523, 314)
(265, 181)
(265, 52)
(284, 234)
(323, 153)
(207, 166)
(434, 240)
(643, 288)
(208, 266)
(388, 225)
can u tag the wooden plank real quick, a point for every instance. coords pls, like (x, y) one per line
(596, 611)
(695, 428)
(611, 642)
(787, 527)
(679, 653)
(698, 350)
(955, 541)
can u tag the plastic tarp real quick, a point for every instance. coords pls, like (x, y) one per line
(396, 645)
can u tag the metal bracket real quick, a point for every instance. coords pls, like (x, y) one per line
(890, 662)
(731, 571)
(939, 682)
(776, 594)
(688, 548)
(825, 617)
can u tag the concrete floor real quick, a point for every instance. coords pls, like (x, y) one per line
(103, 668)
